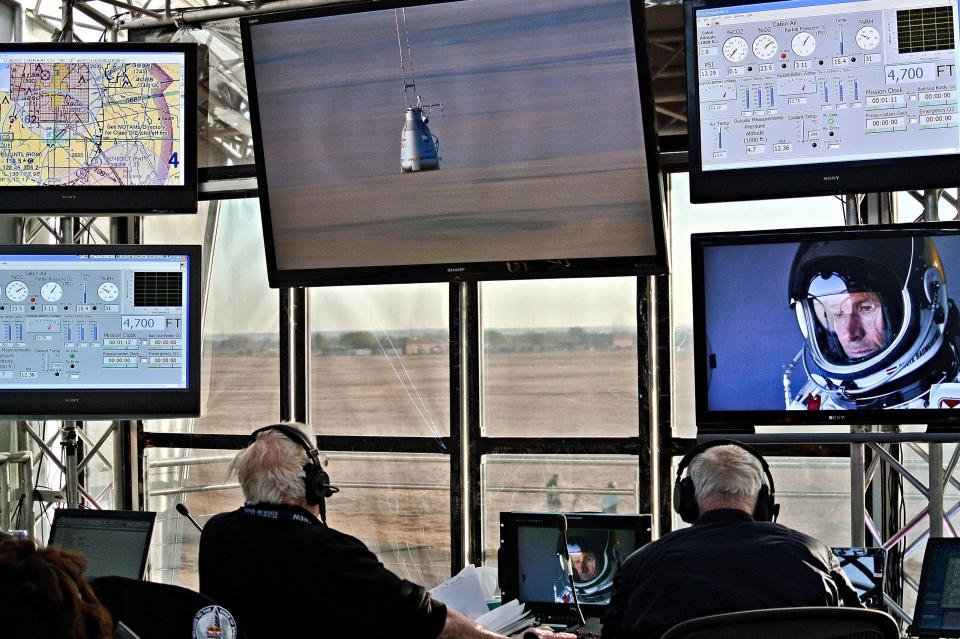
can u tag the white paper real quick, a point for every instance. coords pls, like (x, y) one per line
(463, 593)
(507, 615)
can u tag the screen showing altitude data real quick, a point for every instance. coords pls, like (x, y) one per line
(93, 321)
(804, 81)
(76, 118)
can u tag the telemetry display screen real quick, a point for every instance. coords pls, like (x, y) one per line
(805, 81)
(93, 321)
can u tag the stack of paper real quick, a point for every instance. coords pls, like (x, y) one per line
(464, 592)
(508, 619)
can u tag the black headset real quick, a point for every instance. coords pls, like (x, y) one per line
(684, 498)
(316, 480)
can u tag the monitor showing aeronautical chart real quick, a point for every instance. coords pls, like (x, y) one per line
(98, 128)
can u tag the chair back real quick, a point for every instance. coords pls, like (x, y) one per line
(152, 610)
(817, 622)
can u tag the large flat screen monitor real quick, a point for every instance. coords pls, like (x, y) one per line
(519, 144)
(98, 128)
(830, 326)
(532, 563)
(805, 97)
(99, 331)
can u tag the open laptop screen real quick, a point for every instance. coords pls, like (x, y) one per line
(115, 542)
(864, 567)
(938, 602)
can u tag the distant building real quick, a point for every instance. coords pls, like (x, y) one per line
(622, 340)
(417, 346)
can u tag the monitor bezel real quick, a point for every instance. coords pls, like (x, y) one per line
(712, 422)
(117, 200)
(59, 514)
(511, 521)
(913, 630)
(795, 180)
(517, 268)
(115, 403)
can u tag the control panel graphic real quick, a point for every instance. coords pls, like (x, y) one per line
(801, 81)
(93, 322)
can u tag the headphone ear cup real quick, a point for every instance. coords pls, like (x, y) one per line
(317, 483)
(763, 511)
(685, 500)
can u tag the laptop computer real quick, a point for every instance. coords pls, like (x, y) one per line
(865, 568)
(938, 600)
(115, 542)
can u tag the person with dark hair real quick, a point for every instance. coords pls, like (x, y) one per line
(879, 330)
(43, 594)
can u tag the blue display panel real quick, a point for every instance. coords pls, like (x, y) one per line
(96, 326)
(822, 86)
(803, 81)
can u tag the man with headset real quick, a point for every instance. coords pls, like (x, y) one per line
(283, 571)
(733, 558)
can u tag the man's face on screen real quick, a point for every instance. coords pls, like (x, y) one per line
(585, 564)
(857, 321)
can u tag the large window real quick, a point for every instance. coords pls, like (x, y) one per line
(560, 358)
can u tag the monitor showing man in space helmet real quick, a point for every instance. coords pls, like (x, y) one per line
(595, 556)
(878, 327)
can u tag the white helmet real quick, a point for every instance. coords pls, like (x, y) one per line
(873, 314)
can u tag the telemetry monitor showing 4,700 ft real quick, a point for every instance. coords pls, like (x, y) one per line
(93, 321)
(813, 81)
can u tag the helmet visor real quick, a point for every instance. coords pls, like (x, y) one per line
(851, 323)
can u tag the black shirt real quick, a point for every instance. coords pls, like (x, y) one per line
(281, 572)
(725, 562)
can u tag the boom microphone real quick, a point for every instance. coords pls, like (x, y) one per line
(186, 513)
(562, 526)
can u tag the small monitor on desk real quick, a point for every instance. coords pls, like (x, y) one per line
(532, 562)
(938, 601)
(864, 567)
(115, 542)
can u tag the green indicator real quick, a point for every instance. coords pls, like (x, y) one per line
(830, 120)
(72, 355)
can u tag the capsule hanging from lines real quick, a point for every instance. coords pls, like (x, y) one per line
(419, 147)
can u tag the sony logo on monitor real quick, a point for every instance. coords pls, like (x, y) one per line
(71, 400)
(67, 196)
(830, 177)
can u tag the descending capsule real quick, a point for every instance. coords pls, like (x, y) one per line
(419, 148)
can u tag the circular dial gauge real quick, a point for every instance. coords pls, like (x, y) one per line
(51, 291)
(735, 49)
(17, 291)
(803, 43)
(765, 46)
(868, 38)
(108, 291)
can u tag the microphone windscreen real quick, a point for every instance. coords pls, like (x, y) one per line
(182, 510)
